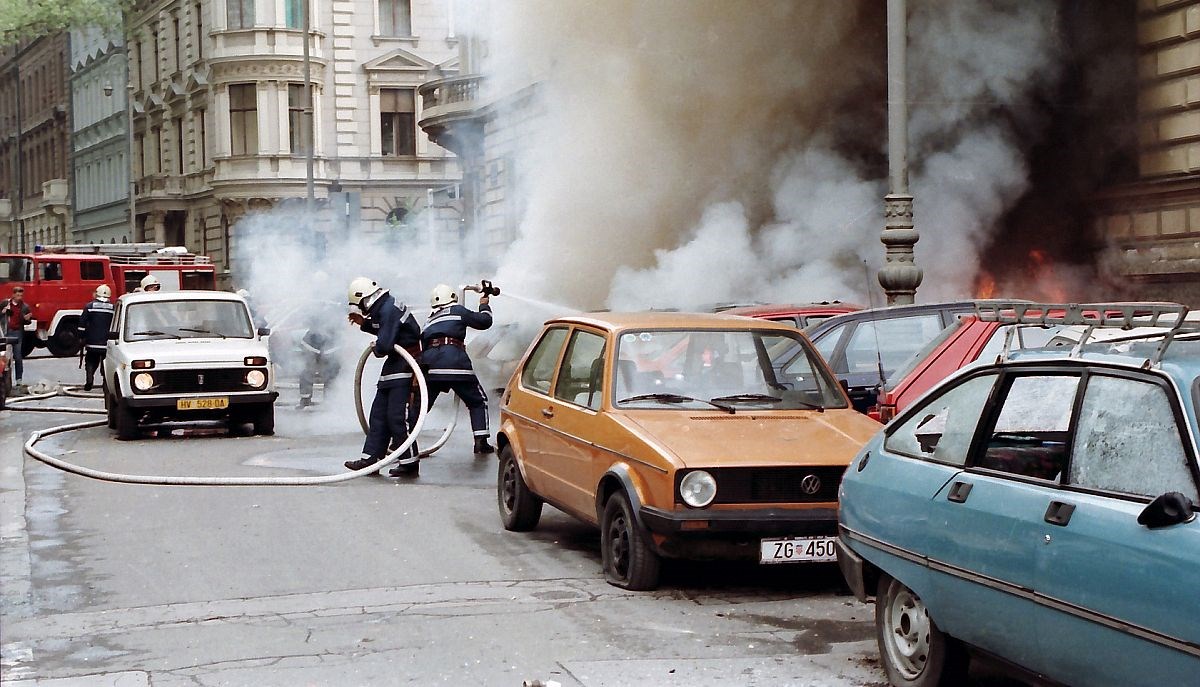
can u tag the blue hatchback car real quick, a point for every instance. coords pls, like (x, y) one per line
(1040, 509)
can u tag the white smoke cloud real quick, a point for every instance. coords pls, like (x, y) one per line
(695, 152)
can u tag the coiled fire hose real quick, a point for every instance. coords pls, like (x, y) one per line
(65, 466)
(362, 416)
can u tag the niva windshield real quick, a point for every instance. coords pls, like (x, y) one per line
(729, 370)
(187, 320)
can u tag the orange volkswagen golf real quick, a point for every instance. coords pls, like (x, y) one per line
(679, 435)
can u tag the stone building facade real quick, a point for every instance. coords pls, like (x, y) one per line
(100, 139)
(1153, 225)
(218, 112)
(35, 131)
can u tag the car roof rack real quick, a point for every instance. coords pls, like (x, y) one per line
(1171, 317)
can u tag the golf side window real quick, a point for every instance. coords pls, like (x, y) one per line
(539, 369)
(942, 429)
(579, 381)
(1128, 441)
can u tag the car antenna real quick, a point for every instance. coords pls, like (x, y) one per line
(874, 328)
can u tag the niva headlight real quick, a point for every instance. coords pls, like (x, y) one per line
(698, 489)
(256, 379)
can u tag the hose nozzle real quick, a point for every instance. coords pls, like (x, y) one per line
(485, 288)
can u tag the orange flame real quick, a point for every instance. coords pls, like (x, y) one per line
(1044, 278)
(985, 285)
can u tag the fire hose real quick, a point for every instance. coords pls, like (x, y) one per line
(362, 417)
(34, 438)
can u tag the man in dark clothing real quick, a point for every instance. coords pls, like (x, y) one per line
(17, 314)
(93, 330)
(444, 357)
(318, 348)
(393, 325)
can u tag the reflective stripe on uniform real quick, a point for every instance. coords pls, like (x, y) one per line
(395, 375)
(481, 433)
(451, 372)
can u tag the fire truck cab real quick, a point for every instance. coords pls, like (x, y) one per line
(60, 280)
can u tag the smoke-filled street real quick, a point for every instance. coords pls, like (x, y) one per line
(374, 581)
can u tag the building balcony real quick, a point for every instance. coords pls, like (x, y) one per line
(159, 186)
(451, 112)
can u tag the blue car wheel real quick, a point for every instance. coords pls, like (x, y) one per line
(915, 653)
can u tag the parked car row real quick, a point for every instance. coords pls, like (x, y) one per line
(1039, 505)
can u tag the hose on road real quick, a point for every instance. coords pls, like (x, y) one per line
(66, 466)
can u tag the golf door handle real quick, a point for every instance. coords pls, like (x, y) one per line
(959, 492)
(548, 412)
(1059, 513)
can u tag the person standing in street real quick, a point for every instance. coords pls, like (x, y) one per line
(445, 361)
(17, 314)
(94, 324)
(318, 352)
(377, 312)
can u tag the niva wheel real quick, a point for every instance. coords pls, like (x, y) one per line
(911, 647)
(630, 562)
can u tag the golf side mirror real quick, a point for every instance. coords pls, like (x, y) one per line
(1172, 508)
(264, 331)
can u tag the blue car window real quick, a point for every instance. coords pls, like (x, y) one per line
(1031, 433)
(941, 430)
(1128, 441)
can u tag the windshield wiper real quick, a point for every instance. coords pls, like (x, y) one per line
(202, 331)
(749, 398)
(155, 332)
(675, 398)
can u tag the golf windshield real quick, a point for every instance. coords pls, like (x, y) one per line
(187, 319)
(727, 369)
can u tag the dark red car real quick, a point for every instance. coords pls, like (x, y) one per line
(799, 315)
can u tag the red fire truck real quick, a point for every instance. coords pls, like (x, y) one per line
(60, 280)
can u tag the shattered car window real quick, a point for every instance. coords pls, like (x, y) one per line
(943, 428)
(1128, 441)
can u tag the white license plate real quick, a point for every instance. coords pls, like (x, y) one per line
(798, 550)
(216, 403)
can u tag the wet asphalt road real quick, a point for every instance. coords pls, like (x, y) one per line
(373, 581)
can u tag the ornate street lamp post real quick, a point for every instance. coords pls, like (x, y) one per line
(900, 275)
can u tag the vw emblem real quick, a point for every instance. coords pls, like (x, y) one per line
(200, 380)
(810, 485)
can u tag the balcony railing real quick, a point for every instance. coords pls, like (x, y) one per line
(449, 110)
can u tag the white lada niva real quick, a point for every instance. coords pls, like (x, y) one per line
(182, 356)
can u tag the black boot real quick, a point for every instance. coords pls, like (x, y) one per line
(406, 470)
(361, 463)
(482, 446)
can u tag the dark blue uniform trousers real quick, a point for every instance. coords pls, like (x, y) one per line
(473, 397)
(388, 421)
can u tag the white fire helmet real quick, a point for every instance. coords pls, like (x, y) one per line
(150, 281)
(442, 295)
(103, 291)
(362, 292)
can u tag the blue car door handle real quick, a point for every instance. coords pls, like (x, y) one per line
(1059, 513)
(959, 492)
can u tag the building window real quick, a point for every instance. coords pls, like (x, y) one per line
(199, 31)
(296, 118)
(395, 17)
(177, 123)
(397, 121)
(178, 41)
(202, 153)
(157, 76)
(294, 13)
(239, 14)
(243, 119)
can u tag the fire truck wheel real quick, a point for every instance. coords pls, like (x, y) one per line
(127, 422)
(28, 343)
(64, 344)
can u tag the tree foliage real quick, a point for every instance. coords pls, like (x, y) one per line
(30, 19)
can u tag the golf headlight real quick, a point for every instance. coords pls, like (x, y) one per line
(142, 381)
(698, 489)
(256, 378)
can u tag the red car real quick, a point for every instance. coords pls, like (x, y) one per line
(798, 315)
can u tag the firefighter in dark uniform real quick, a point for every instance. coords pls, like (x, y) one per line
(393, 325)
(444, 356)
(94, 324)
(318, 351)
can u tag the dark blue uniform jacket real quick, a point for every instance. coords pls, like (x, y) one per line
(451, 321)
(393, 324)
(94, 323)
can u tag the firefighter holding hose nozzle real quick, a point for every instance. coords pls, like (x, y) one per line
(444, 354)
(376, 312)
